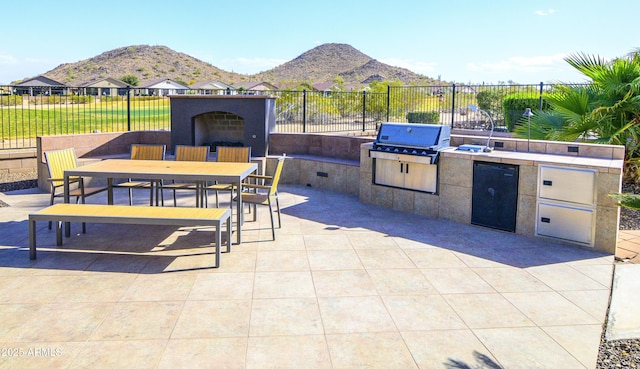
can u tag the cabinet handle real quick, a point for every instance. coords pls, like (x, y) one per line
(401, 168)
(547, 182)
(545, 220)
(407, 168)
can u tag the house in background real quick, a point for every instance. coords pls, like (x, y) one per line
(250, 88)
(213, 87)
(40, 85)
(105, 87)
(164, 87)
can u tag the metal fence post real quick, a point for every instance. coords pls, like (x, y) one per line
(128, 108)
(388, 101)
(364, 110)
(304, 111)
(540, 100)
(453, 103)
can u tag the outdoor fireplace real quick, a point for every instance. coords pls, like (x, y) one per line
(223, 121)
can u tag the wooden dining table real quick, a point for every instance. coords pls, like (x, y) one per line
(159, 170)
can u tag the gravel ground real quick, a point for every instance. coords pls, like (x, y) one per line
(612, 354)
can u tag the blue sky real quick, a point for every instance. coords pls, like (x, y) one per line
(464, 41)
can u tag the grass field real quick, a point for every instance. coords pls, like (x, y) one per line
(29, 120)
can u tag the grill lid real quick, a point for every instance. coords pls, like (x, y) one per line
(414, 135)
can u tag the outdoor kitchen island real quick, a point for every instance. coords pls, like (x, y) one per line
(548, 177)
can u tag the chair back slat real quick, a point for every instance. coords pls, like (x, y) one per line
(233, 154)
(58, 161)
(148, 152)
(192, 153)
(276, 176)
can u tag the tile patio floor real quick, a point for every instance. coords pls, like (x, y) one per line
(345, 285)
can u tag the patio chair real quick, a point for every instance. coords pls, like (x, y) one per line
(230, 155)
(265, 194)
(187, 153)
(144, 152)
(57, 162)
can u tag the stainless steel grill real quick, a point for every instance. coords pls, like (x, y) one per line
(405, 155)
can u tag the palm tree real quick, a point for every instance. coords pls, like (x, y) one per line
(605, 111)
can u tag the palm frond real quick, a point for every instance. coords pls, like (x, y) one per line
(626, 200)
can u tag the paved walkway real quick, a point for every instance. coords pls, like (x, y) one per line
(345, 285)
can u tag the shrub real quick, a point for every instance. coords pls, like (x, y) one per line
(513, 106)
(424, 117)
(9, 100)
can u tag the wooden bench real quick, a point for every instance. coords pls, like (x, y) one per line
(122, 214)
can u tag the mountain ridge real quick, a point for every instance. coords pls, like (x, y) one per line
(323, 63)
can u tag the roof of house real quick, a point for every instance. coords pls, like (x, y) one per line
(105, 82)
(41, 81)
(254, 85)
(211, 85)
(164, 83)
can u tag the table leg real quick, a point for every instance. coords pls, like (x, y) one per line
(110, 191)
(239, 212)
(67, 225)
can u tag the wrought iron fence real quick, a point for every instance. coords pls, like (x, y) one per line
(24, 115)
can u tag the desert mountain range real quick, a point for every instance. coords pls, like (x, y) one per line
(321, 64)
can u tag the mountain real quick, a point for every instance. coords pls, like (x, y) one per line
(145, 62)
(321, 64)
(326, 62)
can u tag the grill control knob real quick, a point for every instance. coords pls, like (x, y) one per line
(396, 150)
(414, 152)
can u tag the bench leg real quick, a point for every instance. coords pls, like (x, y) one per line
(229, 233)
(218, 243)
(32, 239)
(59, 233)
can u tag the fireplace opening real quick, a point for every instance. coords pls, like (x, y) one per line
(218, 128)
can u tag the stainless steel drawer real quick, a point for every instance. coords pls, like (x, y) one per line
(566, 222)
(567, 184)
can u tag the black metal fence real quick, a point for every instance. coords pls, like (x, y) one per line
(25, 116)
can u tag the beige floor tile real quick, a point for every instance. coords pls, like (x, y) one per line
(333, 283)
(382, 350)
(603, 273)
(119, 263)
(282, 261)
(84, 289)
(561, 277)
(236, 261)
(355, 314)
(139, 320)
(63, 322)
(422, 312)
(218, 353)
(283, 242)
(371, 241)
(435, 258)
(458, 348)
(279, 317)
(594, 302)
(406, 243)
(222, 286)
(286, 352)
(549, 308)
(327, 242)
(582, 341)
(487, 310)
(456, 280)
(32, 289)
(215, 318)
(334, 260)
(29, 355)
(283, 285)
(400, 282)
(15, 316)
(160, 287)
(120, 354)
(511, 279)
(382, 259)
(526, 348)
